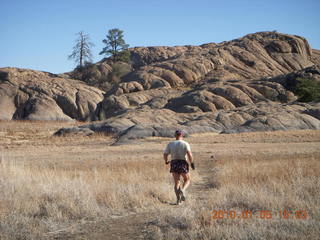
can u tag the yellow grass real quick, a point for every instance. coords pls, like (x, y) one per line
(50, 184)
(256, 177)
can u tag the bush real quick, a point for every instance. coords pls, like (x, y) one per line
(102, 76)
(88, 73)
(120, 69)
(307, 89)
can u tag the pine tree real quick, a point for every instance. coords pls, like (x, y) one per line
(116, 47)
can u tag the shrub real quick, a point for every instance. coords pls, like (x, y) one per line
(307, 89)
(103, 76)
(88, 73)
(120, 69)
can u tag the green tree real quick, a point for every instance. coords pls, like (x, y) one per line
(82, 50)
(307, 89)
(116, 47)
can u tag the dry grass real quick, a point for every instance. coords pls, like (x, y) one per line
(279, 184)
(47, 197)
(255, 177)
(51, 184)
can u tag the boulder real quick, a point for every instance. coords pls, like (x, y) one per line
(199, 100)
(35, 95)
(114, 105)
(142, 123)
(232, 94)
(313, 111)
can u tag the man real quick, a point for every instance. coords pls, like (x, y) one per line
(179, 150)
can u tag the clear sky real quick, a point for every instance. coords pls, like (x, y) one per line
(40, 34)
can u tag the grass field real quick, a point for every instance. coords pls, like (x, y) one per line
(262, 185)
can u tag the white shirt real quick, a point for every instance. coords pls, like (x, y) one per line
(178, 149)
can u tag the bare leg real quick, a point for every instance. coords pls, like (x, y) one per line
(176, 178)
(186, 179)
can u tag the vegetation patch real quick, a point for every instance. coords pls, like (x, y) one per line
(307, 89)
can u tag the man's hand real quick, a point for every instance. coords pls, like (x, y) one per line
(165, 157)
(192, 166)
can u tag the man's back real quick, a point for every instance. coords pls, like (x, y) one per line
(178, 149)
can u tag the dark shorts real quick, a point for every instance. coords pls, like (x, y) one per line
(179, 166)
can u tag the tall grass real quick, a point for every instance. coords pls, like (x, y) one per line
(43, 197)
(57, 185)
(253, 184)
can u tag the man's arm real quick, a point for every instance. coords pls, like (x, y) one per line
(190, 157)
(165, 157)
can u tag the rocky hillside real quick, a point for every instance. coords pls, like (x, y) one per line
(254, 56)
(241, 85)
(34, 95)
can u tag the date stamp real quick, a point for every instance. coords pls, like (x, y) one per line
(260, 214)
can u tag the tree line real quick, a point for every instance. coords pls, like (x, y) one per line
(116, 48)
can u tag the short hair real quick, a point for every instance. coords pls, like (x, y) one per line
(178, 133)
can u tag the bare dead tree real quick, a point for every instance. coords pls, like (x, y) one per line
(82, 50)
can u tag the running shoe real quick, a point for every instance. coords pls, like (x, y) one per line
(182, 195)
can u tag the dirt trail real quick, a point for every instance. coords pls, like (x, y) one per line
(143, 225)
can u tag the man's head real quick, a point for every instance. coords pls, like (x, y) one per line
(178, 134)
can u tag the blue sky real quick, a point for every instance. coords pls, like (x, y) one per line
(40, 34)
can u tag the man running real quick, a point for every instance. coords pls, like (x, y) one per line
(179, 150)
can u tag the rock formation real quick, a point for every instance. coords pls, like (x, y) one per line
(34, 95)
(263, 116)
(254, 56)
(240, 85)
